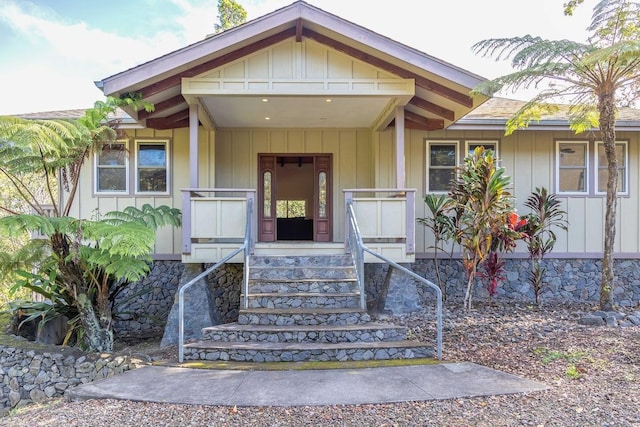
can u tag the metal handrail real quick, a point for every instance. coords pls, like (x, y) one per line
(246, 246)
(357, 254)
(355, 241)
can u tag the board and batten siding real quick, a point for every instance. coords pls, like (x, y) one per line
(291, 60)
(529, 158)
(88, 203)
(237, 158)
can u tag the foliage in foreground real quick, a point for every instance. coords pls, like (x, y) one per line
(74, 263)
(596, 77)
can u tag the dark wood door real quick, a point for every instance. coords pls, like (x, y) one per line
(322, 191)
(267, 207)
(267, 198)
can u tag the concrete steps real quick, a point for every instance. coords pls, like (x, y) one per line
(304, 308)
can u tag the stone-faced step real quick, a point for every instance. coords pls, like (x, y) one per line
(302, 316)
(304, 300)
(369, 332)
(305, 285)
(293, 261)
(302, 273)
(298, 352)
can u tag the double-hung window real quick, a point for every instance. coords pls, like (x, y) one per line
(112, 168)
(443, 157)
(442, 160)
(152, 171)
(573, 167)
(602, 167)
(582, 168)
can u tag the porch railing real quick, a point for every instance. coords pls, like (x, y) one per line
(246, 247)
(357, 249)
(215, 214)
(390, 218)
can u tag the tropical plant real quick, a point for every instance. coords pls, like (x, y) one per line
(441, 225)
(87, 256)
(545, 216)
(595, 77)
(482, 203)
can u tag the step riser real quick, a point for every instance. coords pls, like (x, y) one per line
(300, 261)
(301, 273)
(342, 355)
(314, 286)
(305, 302)
(307, 336)
(352, 318)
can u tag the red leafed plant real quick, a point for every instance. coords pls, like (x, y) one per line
(493, 271)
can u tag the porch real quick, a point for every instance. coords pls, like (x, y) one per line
(215, 222)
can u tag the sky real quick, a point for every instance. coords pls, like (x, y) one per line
(52, 51)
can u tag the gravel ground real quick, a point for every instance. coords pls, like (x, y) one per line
(594, 374)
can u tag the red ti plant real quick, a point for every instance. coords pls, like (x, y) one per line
(504, 239)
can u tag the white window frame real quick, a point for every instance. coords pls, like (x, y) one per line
(97, 166)
(429, 143)
(587, 167)
(167, 145)
(624, 176)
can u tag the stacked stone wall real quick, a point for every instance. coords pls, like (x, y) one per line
(33, 375)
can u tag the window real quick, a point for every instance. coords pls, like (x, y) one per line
(576, 176)
(442, 159)
(602, 165)
(291, 208)
(488, 145)
(573, 167)
(152, 172)
(112, 168)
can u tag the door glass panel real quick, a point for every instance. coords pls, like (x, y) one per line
(266, 185)
(322, 194)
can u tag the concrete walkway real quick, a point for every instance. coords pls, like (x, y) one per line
(305, 387)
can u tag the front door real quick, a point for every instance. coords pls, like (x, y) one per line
(294, 200)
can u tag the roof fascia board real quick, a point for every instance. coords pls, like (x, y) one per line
(197, 52)
(391, 47)
(245, 33)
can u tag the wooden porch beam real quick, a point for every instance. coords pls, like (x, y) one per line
(437, 88)
(412, 118)
(162, 106)
(162, 123)
(176, 79)
(173, 118)
(432, 108)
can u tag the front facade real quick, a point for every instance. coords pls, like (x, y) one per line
(299, 112)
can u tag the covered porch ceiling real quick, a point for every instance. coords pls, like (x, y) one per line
(439, 94)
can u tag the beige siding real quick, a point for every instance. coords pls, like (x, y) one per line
(237, 154)
(87, 203)
(307, 60)
(529, 158)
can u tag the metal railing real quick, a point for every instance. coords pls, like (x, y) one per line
(246, 247)
(357, 250)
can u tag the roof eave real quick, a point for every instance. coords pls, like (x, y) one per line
(273, 22)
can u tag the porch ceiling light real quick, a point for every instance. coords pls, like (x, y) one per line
(267, 118)
(265, 100)
(328, 100)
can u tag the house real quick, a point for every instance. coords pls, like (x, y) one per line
(279, 125)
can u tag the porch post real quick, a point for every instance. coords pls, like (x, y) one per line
(193, 146)
(400, 166)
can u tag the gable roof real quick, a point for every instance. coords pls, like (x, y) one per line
(441, 89)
